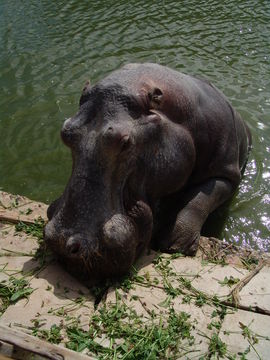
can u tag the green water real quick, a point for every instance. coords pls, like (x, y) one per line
(49, 48)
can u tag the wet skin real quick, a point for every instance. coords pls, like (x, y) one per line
(154, 153)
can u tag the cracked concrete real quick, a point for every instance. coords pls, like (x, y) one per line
(257, 292)
(200, 287)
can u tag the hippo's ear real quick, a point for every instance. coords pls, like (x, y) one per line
(85, 92)
(155, 97)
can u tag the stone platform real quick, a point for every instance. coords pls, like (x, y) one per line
(215, 305)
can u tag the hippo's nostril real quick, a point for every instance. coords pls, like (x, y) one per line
(73, 245)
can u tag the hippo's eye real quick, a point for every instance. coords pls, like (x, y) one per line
(135, 108)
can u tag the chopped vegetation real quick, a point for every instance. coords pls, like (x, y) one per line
(201, 299)
(250, 261)
(53, 335)
(129, 336)
(229, 281)
(35, 230)
(12, 290)
(28, 211)
(129, 281)
(248, 333)
(214, 324)
(116, 330)
(217, 347)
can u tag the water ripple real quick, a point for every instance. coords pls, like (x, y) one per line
(48, 50)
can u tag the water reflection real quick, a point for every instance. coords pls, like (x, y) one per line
(48, 50)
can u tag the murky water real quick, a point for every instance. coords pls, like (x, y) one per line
(49, 48)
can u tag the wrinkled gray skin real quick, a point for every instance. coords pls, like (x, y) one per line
(154, 153)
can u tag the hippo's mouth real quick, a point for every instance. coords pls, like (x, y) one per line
(104, 241)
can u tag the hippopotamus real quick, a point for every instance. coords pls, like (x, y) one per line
(154, 152)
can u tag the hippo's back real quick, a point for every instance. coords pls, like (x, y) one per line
(220, 136)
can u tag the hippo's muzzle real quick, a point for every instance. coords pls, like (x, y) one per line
(111, 253)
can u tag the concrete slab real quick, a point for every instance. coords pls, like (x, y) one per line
(161, 284)
(256, 294)
(187, 266)
(16, 266)
(142, 299)
(200, 317)
(148, 300)
(13, 242)
(57, 299)
(20, 207)
(216, 279)
(209, 278)
(248, 332)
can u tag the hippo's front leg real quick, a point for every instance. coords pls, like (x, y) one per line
(182, 231)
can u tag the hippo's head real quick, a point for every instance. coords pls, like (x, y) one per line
(122, 163)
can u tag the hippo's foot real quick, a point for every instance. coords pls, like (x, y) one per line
(188, 247)
(182, 222)
(182, 239)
